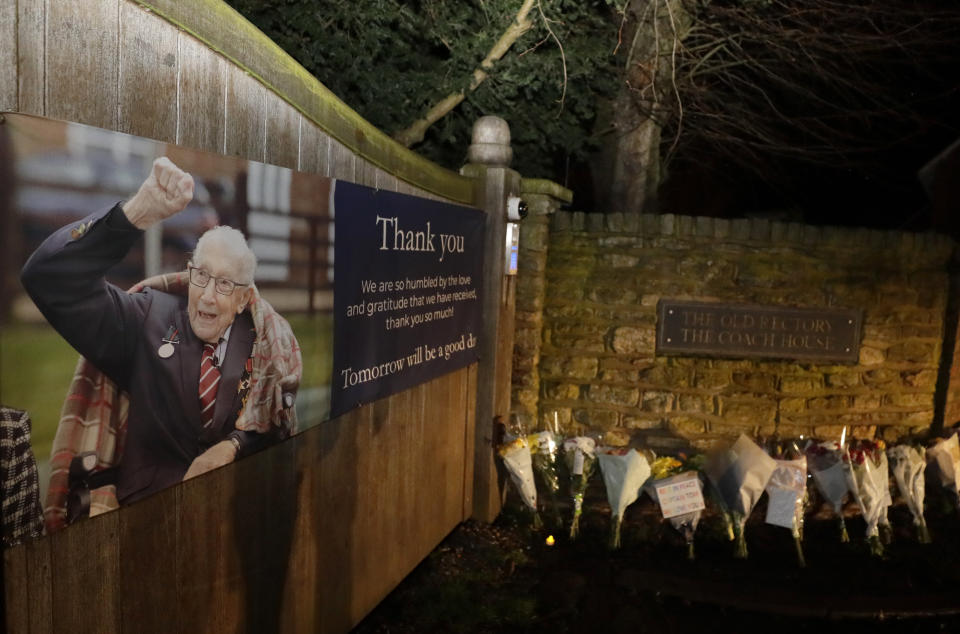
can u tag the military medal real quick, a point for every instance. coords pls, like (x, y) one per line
(166, 349)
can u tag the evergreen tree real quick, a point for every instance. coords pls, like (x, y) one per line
(771, 94)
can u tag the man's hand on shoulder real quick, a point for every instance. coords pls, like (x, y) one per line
(222, 453)
(167, 191)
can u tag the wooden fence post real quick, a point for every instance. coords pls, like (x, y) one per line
(489, 156)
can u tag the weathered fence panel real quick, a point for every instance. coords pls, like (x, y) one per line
(201, 115)
(148, 48)
(8, 56)
(81, 62)
(244, 115)
(310, 534)
(31, 57)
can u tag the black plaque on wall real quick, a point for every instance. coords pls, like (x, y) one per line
(739, 331)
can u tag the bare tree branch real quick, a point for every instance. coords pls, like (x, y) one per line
(414, 133)
(809, 80)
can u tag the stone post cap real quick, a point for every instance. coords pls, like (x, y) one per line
(491, 142)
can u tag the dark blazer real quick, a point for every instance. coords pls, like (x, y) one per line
(121, 333)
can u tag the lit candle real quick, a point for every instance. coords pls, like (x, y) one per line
(550, 540)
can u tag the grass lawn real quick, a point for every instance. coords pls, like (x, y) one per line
(315, 336)
(36, 366)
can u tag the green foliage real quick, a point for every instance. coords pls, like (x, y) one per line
(391, 60)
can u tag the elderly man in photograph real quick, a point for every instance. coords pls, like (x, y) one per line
(188, 356)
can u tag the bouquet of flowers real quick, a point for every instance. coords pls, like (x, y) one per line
(624, 472)
(679, 493)
(825, 461)
(868, 479)
(579, 454)
(908, 464)
(786, 491)
(740, 474)
(543, 449)
(516, 456)
(945, 458)
(725, 514)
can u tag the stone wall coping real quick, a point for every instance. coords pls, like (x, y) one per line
(546, 187)
(753, 231)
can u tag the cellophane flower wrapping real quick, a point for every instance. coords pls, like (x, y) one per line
(944, 457)
(725, 513)
(786, 491)
(624, 473)
(740, 475)
(666, 471)
(908, 465)
(516, 456)
(868, 480)
(825, 461)
(543, 450)
(579, 454)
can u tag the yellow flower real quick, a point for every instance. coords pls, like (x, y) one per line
(533, 441)
(664, 466)
(515, 443)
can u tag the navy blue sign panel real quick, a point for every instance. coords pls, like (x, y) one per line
(406, 292)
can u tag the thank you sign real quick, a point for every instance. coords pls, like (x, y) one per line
(406, 292)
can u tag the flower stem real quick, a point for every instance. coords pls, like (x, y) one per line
(739, 528)
(801, 561)
(577, 509)
(886, 534)
(615, 533)
(741, 552)
(555, 505)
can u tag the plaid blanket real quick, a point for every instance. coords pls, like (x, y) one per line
(20, 485)
(94, 414)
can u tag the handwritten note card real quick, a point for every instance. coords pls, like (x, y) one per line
(679, 497)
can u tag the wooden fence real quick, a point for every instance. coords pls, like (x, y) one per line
(309, 535)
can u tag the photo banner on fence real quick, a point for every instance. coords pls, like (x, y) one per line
(406, 292)
(62, 227)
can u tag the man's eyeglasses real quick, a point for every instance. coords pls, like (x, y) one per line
(199, 277)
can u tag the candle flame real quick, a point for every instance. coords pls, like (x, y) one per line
(550, 540)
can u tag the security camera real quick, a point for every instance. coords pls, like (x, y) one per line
(516, 208)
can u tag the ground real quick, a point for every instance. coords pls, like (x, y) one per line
(503, 577)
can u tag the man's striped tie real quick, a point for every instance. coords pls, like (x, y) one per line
(209, 380)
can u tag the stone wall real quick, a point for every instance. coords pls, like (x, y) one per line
(598, 370)
(543, 198)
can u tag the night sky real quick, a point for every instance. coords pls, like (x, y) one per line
(876, 183)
